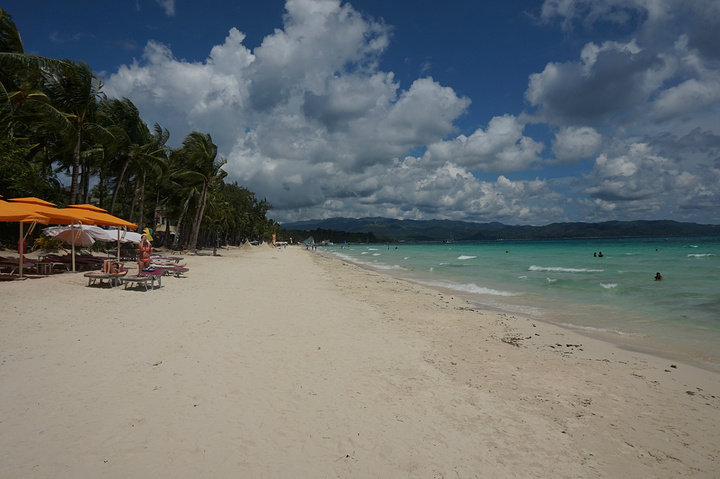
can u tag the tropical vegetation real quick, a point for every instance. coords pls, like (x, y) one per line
(57, 127)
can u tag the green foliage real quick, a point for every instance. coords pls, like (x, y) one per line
(46, 242)
(20, 177)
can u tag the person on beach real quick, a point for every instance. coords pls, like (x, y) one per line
(111, 266)
(144, 256)
(658, 276)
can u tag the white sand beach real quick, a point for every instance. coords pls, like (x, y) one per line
(280, 363)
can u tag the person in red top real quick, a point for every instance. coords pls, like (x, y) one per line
(144, 256)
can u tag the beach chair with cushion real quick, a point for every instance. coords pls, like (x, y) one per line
(138, 280)
(176, 271)
(113, 279)
(154, 273)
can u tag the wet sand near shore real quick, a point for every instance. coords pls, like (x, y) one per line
(269, 362)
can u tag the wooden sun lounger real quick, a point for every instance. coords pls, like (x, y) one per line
(113, 279)
(144, 276)
(176, 271)
(155, 273)
(14, 264)
(139, 280)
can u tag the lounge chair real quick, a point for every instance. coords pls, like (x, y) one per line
(154, 273)
(176, 271)
(13, 264)
(99, 277)
(139, 280)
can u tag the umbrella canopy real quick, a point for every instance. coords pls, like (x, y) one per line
(78, 236)
(14, 212)
(125, 236)
(10, 212)
(100, 217)
(44, 208)
(84, 235)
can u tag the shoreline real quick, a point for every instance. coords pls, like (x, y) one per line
(271, 362)
(564, 317)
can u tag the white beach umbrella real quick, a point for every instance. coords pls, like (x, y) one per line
(125, 236)
(79, 235)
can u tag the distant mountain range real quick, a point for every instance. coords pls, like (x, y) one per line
(387, 229)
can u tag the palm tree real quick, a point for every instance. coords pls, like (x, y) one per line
(75, 91)
(198, 154)
(134, 145)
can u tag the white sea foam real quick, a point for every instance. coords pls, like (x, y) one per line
(550, 280)
(700, 255)
(463, 257)
(377, 254)
(467, 288)
(561, 269)
(387, 266)
(609, 285)
(598, 330)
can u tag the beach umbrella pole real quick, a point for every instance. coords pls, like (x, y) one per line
(20, 250)
(72, 244)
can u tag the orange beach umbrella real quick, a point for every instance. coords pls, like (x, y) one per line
(56, 215)
(101, 217)
(45, 208)
(11, 212)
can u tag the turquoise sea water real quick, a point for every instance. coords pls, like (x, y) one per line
(614, 297)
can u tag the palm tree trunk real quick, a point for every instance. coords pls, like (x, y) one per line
(180, 226)
(141, 208)
(198, 218)
(76, 166)
(134, 200)
(86, 181)
(119, 183)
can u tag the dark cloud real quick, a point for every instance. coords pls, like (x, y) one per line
(612, 80)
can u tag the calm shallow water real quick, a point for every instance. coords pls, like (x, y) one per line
(613, 297)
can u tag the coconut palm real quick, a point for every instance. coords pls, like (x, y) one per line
(199, 157)
(135, 145)
(75, 91)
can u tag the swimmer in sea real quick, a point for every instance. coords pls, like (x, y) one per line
(658, 276)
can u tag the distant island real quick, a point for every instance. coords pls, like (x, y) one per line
(382, 230)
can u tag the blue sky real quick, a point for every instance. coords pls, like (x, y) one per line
(524, 112)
